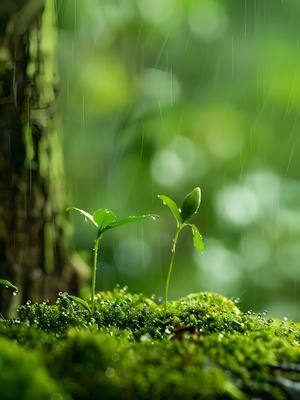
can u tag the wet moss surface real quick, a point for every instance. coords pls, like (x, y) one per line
(204, 347)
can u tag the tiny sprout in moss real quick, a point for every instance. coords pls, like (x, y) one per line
(103, 220)
(189, 207)
(79, 300)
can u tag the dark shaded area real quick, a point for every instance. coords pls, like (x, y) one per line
(33, 227)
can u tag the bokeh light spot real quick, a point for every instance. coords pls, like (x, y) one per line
(167, 167)
(208, 20)
(237, 205)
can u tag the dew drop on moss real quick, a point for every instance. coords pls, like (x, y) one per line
(168, 331)
(115, 357)
(110, 372)
(145, 338)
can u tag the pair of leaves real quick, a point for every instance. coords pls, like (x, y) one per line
(8, 284)
(105, 219)
(189, 207)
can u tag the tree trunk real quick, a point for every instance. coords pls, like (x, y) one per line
(33, 226)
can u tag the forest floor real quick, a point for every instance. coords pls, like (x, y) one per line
(202, 347)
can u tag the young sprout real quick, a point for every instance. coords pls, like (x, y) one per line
(103, 220)
(189, 207)
(8, 284)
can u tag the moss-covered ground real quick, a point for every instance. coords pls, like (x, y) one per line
(204, 347)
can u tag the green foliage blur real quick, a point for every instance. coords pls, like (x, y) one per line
(161, 96)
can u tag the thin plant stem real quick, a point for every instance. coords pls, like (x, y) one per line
(94, 276)
(171, 266)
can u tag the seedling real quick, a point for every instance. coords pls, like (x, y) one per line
(8, 284)
(103, 220)
(189, 207)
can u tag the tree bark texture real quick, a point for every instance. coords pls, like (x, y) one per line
(33, 225)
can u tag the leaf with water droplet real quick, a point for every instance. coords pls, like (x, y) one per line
(8, 284)
(103, 218)
(197, 238)
(132, 218)
(167, 201)
(87, 216)
(154, 217)
(80, 301)
(190, 204)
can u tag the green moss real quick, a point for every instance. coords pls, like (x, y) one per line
(22, 375)
(117, 369)
(204, 347)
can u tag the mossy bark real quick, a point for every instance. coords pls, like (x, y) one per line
(33, 225)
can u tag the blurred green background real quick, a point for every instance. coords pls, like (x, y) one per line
(160, 96)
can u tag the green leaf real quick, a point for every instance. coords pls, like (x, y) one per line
(104, 218)
(86, 215)
(80, 301)
(191, 204)
(132, 218)
(172, 207)
(8, 284)
(197, 238)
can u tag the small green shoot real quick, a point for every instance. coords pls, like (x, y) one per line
(103, 219)
(189, 207)
(9, 285)
(79, 300)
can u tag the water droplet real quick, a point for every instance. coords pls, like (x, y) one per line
(110, 372)
(168, 330)
(145, 338)
(285, 319)
(115, 357)
(15, 292)
(154, 217)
